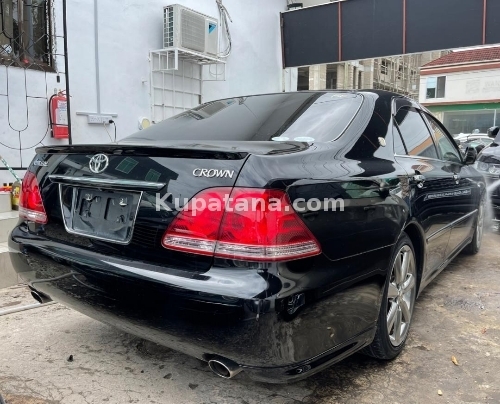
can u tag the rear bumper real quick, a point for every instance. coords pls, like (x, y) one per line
(278, 322)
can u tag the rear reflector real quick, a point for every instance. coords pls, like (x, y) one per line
(251, 224)
(30, 200)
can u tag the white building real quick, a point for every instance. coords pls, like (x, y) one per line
(400, 74)
(463, 89)
(111, 71)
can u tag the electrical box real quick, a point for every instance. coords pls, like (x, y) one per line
(99, 119)
(189, 29)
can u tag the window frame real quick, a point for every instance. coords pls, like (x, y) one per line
(396, 133)
(395, 128)
(35, 63)
(436, 95)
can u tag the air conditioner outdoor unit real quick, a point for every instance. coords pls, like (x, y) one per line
(189, 29)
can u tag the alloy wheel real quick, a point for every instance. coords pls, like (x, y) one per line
(401, 295)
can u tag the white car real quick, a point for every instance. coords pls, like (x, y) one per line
(476, 140)
(470, 136)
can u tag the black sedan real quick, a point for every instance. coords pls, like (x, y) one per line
(489, 165)
(273, 234)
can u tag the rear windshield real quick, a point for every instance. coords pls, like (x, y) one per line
(300, 117)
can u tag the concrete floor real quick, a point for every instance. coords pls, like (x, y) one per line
(457, 315)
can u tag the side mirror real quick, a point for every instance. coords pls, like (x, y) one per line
(470, 156)
(493, 132)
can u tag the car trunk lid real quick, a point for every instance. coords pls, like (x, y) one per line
(120, 199)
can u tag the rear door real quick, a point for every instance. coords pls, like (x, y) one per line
(431, 183)
(466, 194)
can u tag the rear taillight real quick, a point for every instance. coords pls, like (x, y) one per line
(30, 200)
(261, 224)
(195, 228)
(249, 224)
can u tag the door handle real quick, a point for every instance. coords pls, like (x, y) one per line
(419, 179)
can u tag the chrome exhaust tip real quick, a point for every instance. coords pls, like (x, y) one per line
(224, 368)
(40, 297)
(36, 296)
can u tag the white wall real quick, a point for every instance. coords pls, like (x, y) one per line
(128, 30)
(473, 86)
(24, 98)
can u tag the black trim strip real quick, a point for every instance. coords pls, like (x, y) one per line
(437, 233)
(182, 151)
(108, 183)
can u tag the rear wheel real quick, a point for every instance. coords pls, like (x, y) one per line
(397, 305)
(477, 239)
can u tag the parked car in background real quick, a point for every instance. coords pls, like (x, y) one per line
(489, 165)
(308, 224)
(477, 141)
(470, 136)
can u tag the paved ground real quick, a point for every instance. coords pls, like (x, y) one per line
(458, 315)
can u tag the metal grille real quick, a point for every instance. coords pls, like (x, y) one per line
(173, 91)
(25, 36)
(168, 27)
(193, 31)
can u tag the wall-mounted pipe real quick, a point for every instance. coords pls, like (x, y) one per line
(66, 70)
(96, 50)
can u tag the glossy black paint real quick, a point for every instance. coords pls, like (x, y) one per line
(279, 321)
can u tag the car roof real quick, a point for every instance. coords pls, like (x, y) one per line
(382, 93)
(360, 91)
(384, 96)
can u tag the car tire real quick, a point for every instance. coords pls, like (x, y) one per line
(475, 245)
(396, 310)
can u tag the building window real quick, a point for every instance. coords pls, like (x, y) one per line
(331, 77)
(401, 72)
(303, 79)
(436, 87)
(384, 67)
(469, 121)
(25, 33)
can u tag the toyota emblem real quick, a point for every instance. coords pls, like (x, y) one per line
(98, 163)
